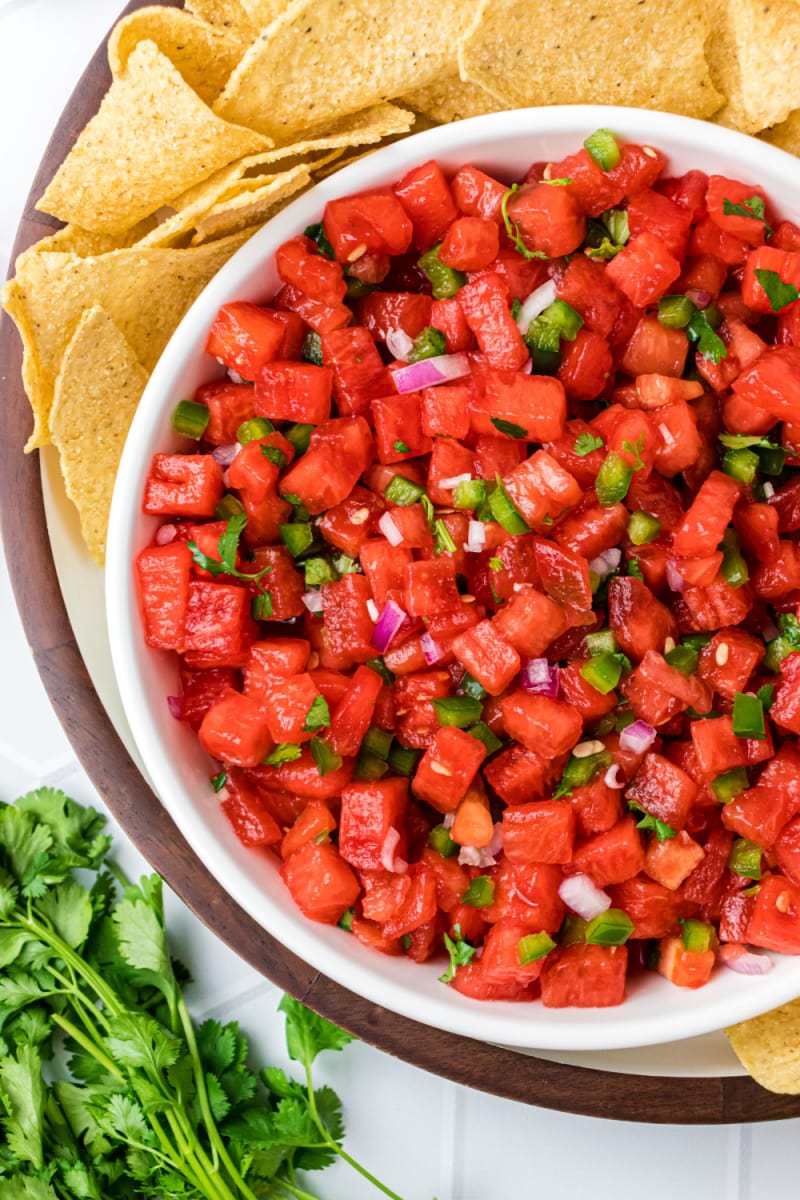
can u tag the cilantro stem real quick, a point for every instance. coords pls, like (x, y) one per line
(88, 1045)
(334, 1145)
(293, 1189)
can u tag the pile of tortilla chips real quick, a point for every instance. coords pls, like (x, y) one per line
(220, 112)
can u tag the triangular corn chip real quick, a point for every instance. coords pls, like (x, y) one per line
(205, 56)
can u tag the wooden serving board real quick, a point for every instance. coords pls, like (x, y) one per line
(517, 1076)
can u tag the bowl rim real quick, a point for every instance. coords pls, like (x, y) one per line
(524, 1026)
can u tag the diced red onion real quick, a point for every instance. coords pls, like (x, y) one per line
(432, 650)
(453, 481)
(476, 537)
(469, 856)
(388, 858)
(583, 896)
(389, 622)
(698, 297)
(675, 580)
(399, 344)
(166, 534)
(606, 562)
(234, 376)
(614, 778)
(538, 675)
(769, 631)
(389, 530)
(527, 367)
(175, 706)
(373, 610)
(225, 455)
(744, 961)
(667, 435)
(431, 371)
(638, 737)
(768, 489)
(448, 820)
(535, 304)
(313, 600)
(496, 844)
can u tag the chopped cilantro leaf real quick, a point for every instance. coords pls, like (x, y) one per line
(460, 951)
(261, 607)
(218, 781)
(318, 716)
(765, 695)
(512, 229)
(317, 234)
(634, 569)
(636, 448)
(752, 207)
(442, 538)
(585, 443)
(778, 293)
(709, 343)
(274, 455)
(743, 441)
(514, 431)
(662, 831)
(283, 752)
(496, 564)
(401, 447)
(228, 546)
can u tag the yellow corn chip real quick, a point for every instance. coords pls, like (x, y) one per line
(251, 207)
(205, 56)
(638, 52)
(145, 292)
(228, 15)
(322, 59)
(754, 55)
(786, 135)
(152, 139)
(769, 1047)
(96, 393)
(74, 240)
(450, 99)
(263, 12)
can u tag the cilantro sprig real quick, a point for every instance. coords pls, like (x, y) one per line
(752, 207)
(585, 443)
(149, 1104)
(228, 549)
(512, 228)
(779, 293)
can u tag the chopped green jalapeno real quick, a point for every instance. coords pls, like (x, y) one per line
(470, 687)
(377, 741)
(470, 493)
(534, 946)
(603, 148)
(402, 492)
(324, 758)
(228, 506)
(603, 672)
(580, 771)
(300, 436)
(190, 419)
(505, 513)
(428, 344)
(252, 430)
(684, 658)
(643, 528)
(318, 570)
(611, 928)
(696, 640)
(613, 480)
(380, 668)
(261, 607)
(369, 767)
(439, 838)
(563, 318)
(403, 761)
(480, 892)
(356, 288)
(572, 931)
(601, 642)
(311, 350)
(483, 733)
(772, 459)
(461, 711)
(675, 312)
(786, 643)
(734, 567)
(748, 717)
(297, 538)
(696, 936)
(444, 281)
(730, 784)
(745, 859)
(741, 465)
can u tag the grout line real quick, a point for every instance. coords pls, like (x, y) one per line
(238, 995)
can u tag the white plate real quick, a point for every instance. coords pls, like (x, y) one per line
(503, 143)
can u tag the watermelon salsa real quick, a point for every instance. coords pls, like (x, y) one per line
(484, 573)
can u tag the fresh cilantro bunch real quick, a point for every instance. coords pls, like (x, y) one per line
(149, 1106)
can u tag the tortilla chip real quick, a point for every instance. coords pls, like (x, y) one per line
(205, 56)
(322, 59)
(769, 1047)
(96, 393)
(786, 135)
(753, 54)
(263, 12)
(145, 292)
(74, 240)
(227, 15)
(251, 207)
(638, 52)
(152, 139)
(451, 99)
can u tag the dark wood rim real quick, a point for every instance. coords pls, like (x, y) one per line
(55, 652)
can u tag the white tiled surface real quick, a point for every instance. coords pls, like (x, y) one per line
(425, 1137)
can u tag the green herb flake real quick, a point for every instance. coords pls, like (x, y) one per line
(509, 428)
(283, 752)
(586, 443)
(752, 207)
(218, 781)
(228, 548)
(275, 455)
(709, 343)
(497, 564)
(318, 716)
(512, 229)
(460, 951)
(401, 447)
(317, 234)
(779, 294)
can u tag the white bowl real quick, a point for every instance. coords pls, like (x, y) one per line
(505, 144)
